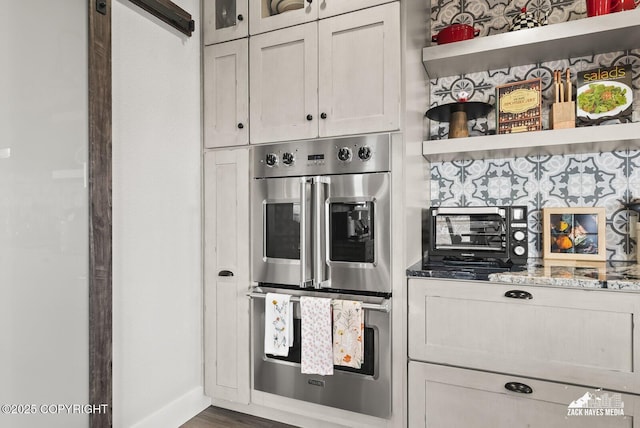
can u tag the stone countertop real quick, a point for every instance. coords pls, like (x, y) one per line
(623, 276)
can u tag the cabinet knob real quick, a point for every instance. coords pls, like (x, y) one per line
(521, 388)
(225, 273)
(240, 126)
(323, 115)
(309, 117)
(240, 17)
(518, 294)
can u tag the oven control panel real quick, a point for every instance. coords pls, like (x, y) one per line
(362, 154)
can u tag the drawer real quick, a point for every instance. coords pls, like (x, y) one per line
(584, 337)
(445, 397)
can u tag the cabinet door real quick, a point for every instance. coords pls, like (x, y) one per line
(446, 397)
(226, 95)
(584, 337)
(283, 84)
(226, 275)
(359, 77)
(224, 20)
(268, 15)
(337, 7)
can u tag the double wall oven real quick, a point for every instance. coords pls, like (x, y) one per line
(320, 214)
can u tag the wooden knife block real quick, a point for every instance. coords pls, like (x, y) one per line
(563, 115)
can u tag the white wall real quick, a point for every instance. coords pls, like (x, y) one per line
(157, 278)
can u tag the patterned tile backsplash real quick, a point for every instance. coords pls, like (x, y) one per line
(598, 179)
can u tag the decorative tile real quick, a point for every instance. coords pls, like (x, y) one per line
(604, 180)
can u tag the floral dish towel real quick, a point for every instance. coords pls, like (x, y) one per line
(317, 352)
(348, 333)
(278, 324)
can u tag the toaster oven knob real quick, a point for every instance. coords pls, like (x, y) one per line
(271, 159)
(518, 235)
(364, 153)
(287, 158)
(519, 250)
(344, 154)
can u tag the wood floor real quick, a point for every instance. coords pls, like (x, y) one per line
(223, 418)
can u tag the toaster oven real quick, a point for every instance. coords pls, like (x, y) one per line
(487, 234)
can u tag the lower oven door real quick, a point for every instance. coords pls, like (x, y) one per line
(366, 390)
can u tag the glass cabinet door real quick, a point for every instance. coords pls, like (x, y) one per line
(224, 20)
(267, 15)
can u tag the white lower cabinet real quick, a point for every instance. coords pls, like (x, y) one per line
(496, 355)
(575, 336)
(226, 275)
(449, 397)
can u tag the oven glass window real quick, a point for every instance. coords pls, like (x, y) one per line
(465, 232)
(282, 231)
(352, 236)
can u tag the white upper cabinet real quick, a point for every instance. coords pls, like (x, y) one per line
(339, 76)
(284, 76)
(226, 96)
(336, 7)
(268, 15)
(359, 75)
(225, 20)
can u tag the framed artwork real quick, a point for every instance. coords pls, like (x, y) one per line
(574, 233)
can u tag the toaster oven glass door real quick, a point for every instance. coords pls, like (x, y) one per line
(476, 232)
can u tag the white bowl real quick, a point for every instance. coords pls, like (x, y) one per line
(286, 5)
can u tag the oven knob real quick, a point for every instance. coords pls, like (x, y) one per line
(519, 250)
(364, 153)
(344, 154)
(271, 159)
(287, 158)
(518, 235)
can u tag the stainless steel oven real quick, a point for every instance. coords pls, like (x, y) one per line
(321, 213)
(320, 217)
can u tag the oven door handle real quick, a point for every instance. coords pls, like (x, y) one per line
(306, 261)
(384, 306)
(467, 211)
(320, 231)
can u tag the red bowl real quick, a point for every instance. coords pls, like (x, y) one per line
(455, 33)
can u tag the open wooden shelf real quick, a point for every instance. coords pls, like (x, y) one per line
(589, 139)
(600, 34)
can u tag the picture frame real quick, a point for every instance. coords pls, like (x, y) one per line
(576, 233)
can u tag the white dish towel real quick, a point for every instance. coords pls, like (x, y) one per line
(317, 349)
(278, 324)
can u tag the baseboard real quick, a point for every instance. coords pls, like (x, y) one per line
(178, 411)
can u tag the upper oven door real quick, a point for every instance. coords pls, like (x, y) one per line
(358, 232)
(280, 210)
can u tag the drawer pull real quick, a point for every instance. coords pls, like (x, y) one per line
(518, 387)
(518, 294)
(225, 273)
